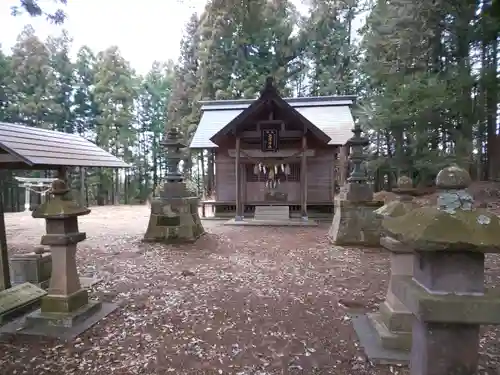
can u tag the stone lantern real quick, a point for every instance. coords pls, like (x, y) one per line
(357, 188)
(61, 222)
(174, 214)
(446, 293)
(66, 310)
(354, 222)
(385, 335)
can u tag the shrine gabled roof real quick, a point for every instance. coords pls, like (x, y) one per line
(330, 114)
(25, 146)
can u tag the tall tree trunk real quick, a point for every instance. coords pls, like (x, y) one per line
(491, 107)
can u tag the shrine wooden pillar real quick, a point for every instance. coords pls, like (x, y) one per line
(239, 214)
(303, 178)
(211, 173)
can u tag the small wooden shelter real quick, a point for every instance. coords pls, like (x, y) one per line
(27, 148)
(275, 151)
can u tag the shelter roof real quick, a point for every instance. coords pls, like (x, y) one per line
(25, 147)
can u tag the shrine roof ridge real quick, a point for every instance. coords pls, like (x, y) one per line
(303, 101)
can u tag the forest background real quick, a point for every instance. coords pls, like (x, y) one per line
(426, 74)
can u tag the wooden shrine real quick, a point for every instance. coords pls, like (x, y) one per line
(275, 151)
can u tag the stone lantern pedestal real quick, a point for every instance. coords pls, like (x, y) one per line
(174, 214)
(446, 293)
(354, 222)
(66, 310)
(385, 335)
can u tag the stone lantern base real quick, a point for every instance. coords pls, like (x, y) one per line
(355, 223)
(64, 326)
(385, 335)
(174, 217)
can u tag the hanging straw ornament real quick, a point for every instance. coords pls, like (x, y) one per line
(256, 169)
(275, 169)
(264, 169)
(287, 169)
(271, 174)
(283, 168)
(260, 167)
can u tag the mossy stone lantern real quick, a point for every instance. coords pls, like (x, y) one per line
(174, 214)
(446, 292)
(354, 222)
(65, 293)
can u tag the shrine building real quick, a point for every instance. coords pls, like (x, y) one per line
(286, 153)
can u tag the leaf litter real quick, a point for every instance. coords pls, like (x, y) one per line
(241, 300)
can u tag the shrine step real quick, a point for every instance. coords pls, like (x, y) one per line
(272, 213)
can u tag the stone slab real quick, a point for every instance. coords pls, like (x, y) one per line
(40, 318)
(19, 297)
(372, 346)
(18, 327)
(31, 268)
(85, 282)
(271, 213)
(388, 339)
(449, 308)
(395, 316)
(89, 282)
(273, 223)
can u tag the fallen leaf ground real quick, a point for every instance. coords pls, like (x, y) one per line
(252, 300)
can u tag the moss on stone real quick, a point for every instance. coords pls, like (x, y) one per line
(428, 228)
(395, 209)
(64, 304)
(59, 207)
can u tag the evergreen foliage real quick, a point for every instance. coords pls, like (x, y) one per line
(426, 74)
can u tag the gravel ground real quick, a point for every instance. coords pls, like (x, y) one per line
(241, 300)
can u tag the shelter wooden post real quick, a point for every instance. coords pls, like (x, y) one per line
(303, 178)
(4, 257)
(239, 214)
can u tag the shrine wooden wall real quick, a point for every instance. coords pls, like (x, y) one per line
(225, 177)
(321, 177)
